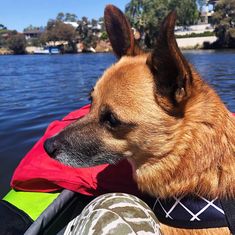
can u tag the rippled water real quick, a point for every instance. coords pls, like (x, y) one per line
(34, 90)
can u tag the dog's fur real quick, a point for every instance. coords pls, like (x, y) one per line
(155, 110)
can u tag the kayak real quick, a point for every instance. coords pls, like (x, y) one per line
(33, 213)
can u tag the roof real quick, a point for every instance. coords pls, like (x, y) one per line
(33, 31)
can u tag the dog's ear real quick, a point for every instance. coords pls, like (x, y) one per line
(172, 72)
(120, 33)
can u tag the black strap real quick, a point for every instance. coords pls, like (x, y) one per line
(229, 209)
(13, 220)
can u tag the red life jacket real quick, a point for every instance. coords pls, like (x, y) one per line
(39, 173)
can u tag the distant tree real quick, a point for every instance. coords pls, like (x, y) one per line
(30, 27)
(146, 15)
(83, 28)
(60, 16)
(50, 24)
(13, 32)
(94, 22)
(87, 31)
(59, 31)
(84, 20)
(101, 23)
(135, 10)
(3, 30)
(224, 21)
(2, 40)
(3, 27)
(17, 43)
(70, 17)
(104, 36)
(187, 11)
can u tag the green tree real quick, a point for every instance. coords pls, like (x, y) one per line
(224, 21)
(58, 31)
(186, 10)
(83, 28)
(85, 32)
(146, 15)
(60, 16)
(17, 43)
(94, 22)
(70, 17)
(3, 27)
(104, 36)
(101, 23)
(134, 10)
(84, 20)
(3, 30)
(30, 28)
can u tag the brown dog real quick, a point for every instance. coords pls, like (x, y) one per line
(156, 111)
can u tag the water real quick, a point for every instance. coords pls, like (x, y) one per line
(34, 90)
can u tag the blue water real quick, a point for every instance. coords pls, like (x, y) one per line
(34, 90)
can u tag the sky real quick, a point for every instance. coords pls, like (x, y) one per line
(18, 14)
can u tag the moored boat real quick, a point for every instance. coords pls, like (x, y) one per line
(51, 50)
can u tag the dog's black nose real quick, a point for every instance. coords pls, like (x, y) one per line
(50, 147)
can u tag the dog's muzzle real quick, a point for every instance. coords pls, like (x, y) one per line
(50, 147)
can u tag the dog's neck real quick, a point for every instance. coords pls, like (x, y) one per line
(202, 160)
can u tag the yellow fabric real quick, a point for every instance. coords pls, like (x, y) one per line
(32, 203)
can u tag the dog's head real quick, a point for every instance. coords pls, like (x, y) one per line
(136, 105)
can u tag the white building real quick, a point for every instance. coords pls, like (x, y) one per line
(74, 24)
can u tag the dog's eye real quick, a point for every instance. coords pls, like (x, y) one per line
(110, 120)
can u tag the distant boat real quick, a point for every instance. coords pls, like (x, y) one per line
(51, 50)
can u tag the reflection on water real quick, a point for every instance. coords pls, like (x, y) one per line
(34, 90)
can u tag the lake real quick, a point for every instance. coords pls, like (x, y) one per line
(35, 90)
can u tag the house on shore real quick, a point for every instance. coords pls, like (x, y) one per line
(33, 33)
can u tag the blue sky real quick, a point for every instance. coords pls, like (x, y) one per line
(18, 14)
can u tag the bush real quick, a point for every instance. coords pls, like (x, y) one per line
(223, 20)
(104, 36)
(17, 43)
(194, 35)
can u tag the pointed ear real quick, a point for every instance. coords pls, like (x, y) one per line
(120, 32)
(172, 72)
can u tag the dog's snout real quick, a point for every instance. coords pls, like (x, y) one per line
(50, 147)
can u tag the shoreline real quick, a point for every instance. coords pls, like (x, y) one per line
(107, 52)
(193, 43)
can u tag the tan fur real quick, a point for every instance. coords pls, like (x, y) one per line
(178, 159)
(176, 148)
(212, 152)
(182, 144)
